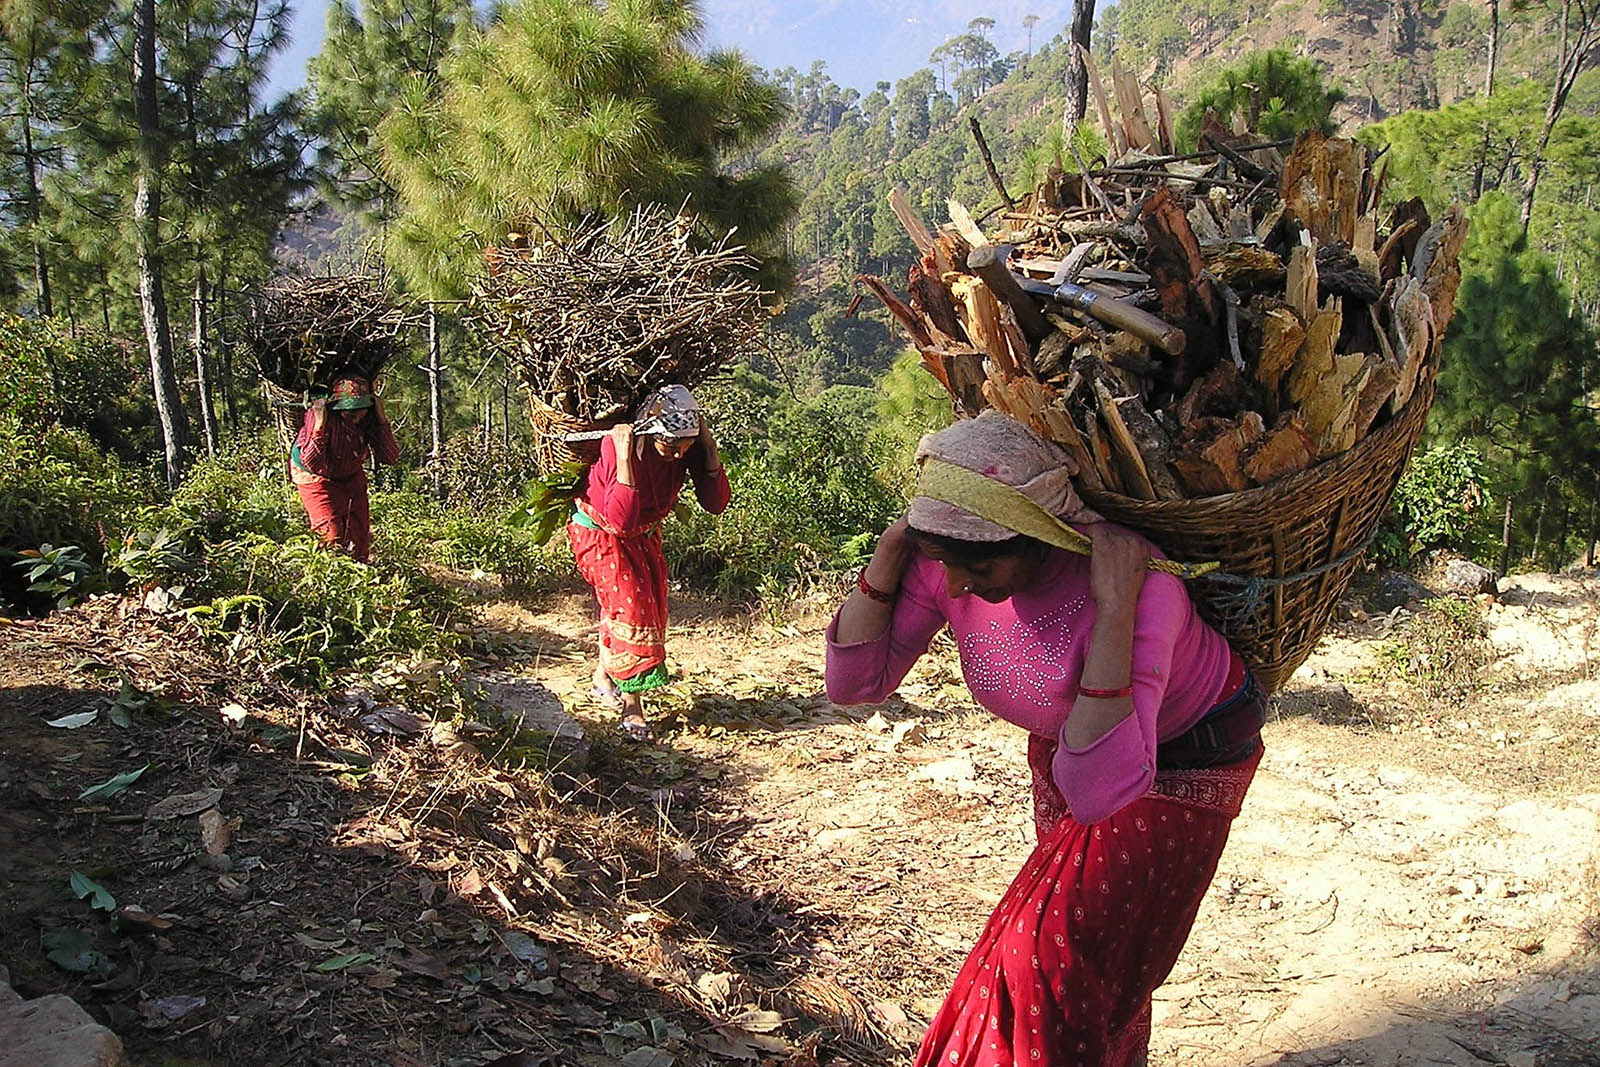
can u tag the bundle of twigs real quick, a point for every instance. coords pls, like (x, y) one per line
(304, 332)
(595, 317)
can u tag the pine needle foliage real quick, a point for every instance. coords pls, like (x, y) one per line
(562, 109)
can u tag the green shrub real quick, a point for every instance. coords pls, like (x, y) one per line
(1442, 649)
(58, 488)
(1439, 503)
(309, 613)
(85, 380)
(416, 529)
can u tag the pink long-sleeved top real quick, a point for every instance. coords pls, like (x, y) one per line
(1022, 660)
(658, 481)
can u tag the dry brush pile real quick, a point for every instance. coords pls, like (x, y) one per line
(595, 317)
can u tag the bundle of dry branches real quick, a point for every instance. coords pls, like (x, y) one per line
(1206, 326)
(306, 332)
(595, 318)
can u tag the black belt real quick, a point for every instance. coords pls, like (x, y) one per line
(1227, 733)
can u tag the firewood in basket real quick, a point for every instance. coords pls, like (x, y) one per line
(1321, 185)
(1210, 455)
(980, 314)
(963, 371)
(1314, 362)
(1411, 333)
(1222, 392)
(1051, 358)
(1382, 377)
(1300, 289)
(1174, 263)
(1441, 274)
(929, 296)
(915, 228)
(1124, 450)
(1100, 453)
(1281, 338)
(1329, 407)
(1287, 449)
(1130, 102)
(1407, 223)
(989, 263)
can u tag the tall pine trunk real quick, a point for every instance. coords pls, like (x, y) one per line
(202, 370)
(41, 268)
(147, 231)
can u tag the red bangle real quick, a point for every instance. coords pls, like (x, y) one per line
(1105, 694)
(866, 587)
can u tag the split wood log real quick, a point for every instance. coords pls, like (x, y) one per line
(1124, 449)
(1382, 377)
(1115, 138)
(1281, 337)
(1100, 452)
(1246, 266)
(1411, 333)
(988, 262)
(1438, 263)
(1321, 185)
(931, 297)
(1130, 103)
(1301, 290)
(1314, 361)
(963, 369)
(1287, 449)
(961, 218)
(980, 314)
(915, 228)
(1164, 121)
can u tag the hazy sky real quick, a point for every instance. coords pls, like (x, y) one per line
(862, 41)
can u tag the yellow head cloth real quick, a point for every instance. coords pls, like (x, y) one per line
(1001, 504)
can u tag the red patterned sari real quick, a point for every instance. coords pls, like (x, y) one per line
(1064, 970)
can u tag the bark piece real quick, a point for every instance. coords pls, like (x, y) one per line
(1407, 223)
(1130, 102)
(1212, 455)
(1315, 360)
(1281, 338)
(1382, 377)
(932, 299)
(1246, 266)
(915, 228)
(1411, 332)
(1287, 449)
(1441, 269)
(1222, 393)
(980, 314)
(1124, 449)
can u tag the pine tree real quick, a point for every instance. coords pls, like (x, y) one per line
(367, 63)
(1518, 370)
(562, 108)
(1277, 93)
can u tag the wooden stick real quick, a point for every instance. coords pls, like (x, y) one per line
(988, 161)
(988, 262)
(914, 226)
(1114, 137)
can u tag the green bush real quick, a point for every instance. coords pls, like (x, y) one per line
(57, 488)
(1439, 503)
(414, 528)
(309, 613)
(84, 380)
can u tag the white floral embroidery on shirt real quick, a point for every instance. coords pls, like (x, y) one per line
(1021, 661)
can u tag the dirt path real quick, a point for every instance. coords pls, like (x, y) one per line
(1414, 879)
(1408, 883)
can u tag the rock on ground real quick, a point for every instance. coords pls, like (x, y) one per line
(52, 1031)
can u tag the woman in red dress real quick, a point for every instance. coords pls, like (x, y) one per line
(328, 463)
(615, 534)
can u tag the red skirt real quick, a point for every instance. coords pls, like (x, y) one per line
(629, 578)
(1063, 972)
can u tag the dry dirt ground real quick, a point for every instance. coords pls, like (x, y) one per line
(1415, 878)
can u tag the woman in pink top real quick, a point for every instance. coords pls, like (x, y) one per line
(616, 540)
(1144, 733)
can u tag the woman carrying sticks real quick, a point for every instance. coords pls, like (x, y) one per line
(616, 539)
(328, 463)
(1144, 735)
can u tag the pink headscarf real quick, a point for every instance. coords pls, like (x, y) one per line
(998, 447)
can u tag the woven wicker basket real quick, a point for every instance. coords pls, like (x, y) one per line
(1318, 520)
(551, 448)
